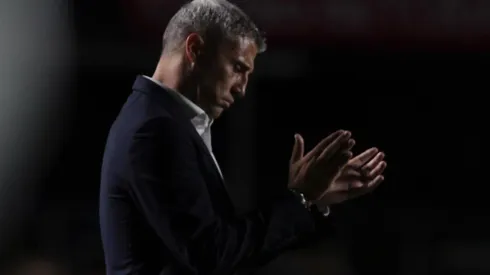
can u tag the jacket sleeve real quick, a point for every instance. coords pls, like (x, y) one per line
(169, 190)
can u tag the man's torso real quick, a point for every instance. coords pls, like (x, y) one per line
(129, 241)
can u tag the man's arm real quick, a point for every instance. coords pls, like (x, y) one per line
(172, 195)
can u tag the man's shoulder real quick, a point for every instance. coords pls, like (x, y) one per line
(125, 141)
(138, 111)
(126, 131)
(162, 126)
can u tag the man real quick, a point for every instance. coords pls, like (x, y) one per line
(163, 204)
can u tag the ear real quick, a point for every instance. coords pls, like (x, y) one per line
(194, 45)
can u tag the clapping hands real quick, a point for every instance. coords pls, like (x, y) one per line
(328, 174)
(312, 174)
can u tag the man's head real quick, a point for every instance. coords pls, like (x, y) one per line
(216, 44)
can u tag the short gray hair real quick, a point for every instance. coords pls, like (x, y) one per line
(213, 19)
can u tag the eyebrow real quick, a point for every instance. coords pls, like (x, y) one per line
(244, 65)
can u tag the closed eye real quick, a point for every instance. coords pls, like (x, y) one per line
(240, 67)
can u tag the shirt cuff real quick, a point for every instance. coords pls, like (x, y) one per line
(324, 210)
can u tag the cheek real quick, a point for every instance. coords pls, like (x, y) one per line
(224, 83)
(230, 78)
(219, 80)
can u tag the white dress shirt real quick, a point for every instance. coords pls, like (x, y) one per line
(201, 121)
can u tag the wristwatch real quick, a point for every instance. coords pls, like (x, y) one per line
(322, 209)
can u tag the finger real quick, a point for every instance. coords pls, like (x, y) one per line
(374, 183)
(324, 143)
(364, 157)
(367, 168)
(341, 141)
(298, 148)
(354, 193)
(378, 170)
(345, 148)
(351, 144)
(348, 185)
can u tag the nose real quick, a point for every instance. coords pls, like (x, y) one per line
(241, 87)
(238, 92)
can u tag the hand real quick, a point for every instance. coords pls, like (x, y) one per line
(361, 175)
(312, 174)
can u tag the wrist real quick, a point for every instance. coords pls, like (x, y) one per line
(324, 209)
(312, 206)
(307, 193)
(303, 199)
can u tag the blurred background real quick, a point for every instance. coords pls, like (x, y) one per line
(409, 77)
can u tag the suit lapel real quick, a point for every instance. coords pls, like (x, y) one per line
(201, 145)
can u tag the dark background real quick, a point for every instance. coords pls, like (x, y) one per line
(409, 78)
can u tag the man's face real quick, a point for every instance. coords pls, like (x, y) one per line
(223, 77)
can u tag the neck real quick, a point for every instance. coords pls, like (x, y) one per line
(172, 72)
(168, 72)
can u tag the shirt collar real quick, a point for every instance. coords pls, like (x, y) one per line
(196, 113)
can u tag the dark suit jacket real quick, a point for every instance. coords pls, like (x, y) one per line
(163, 204)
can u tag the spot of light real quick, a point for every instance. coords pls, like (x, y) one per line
(35, 64)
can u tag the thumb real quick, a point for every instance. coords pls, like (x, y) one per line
(298, 148)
